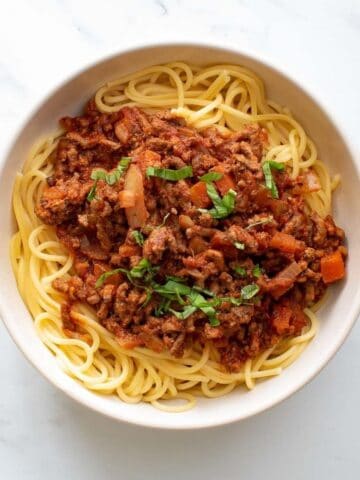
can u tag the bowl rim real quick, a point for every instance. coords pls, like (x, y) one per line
(220, 45)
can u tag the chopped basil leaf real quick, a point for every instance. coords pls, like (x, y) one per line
(169, 174)
(216, 302)
(263, 221)
(110, 273)
(184, 314)
(214, 321)
(163, 307)
(142, 268)
(123, 164)
(176, 279)
(257, 271)
(204, 290)
(239, 245)
(276, 165)
(138, 237)
(110, 178)
(91, 194)
(147, 299)
(211, 177)
(98, 175)
(240, 271)
(198, 301)
(249, 291)
(269, 179)
(172, 287)
(224, 206)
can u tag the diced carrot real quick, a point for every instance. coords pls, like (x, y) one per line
(126, 199)
(226, 182)
(332, 267)
(286, 243)
(185, 221)
(128, 250)
(199, 196)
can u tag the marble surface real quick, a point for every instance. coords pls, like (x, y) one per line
(314, 434)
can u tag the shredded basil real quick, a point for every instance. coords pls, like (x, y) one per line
(249, 291)
(216, 302)
(143, 268)
(163, 307)
(110, 178)
(110, 273)
(211, 177)
(207, 292)
(171, 288)
(169, 174)
(224, 206)
(92, 193)
(269, 179)
(138, 237)
(241, 271)
(257, 271)
(185, 313)
(176, 279)
(190, 299)
(147, 299)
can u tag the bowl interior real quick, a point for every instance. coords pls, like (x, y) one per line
(336, 316)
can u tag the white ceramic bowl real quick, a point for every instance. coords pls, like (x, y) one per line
(336, 317)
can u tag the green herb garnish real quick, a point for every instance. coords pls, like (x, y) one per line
(241, 271)
(143, 268)
(169, 174)
(269, 179)
(138, 237)
(110, 273)
(211, 177)
(249, 291)
(91, 194)
(163, 307)
(224, 206)
(110, 178)
(185, 313)
(257, 271)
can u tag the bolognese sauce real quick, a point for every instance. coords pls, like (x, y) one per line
(182, 236)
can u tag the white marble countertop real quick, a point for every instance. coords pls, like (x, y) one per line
(314, 434)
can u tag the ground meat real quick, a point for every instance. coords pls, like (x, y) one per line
(159, 240)
(59, 203)
(160, 271)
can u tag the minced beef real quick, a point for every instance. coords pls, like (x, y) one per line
(165, 230)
